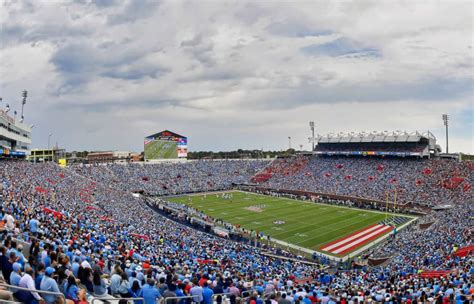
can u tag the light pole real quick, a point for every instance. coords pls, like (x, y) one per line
(49, 138)
(311, 126)
(445, 120)
(289, 142)
(23, 102)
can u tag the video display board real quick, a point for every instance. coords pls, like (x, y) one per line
(165, 145)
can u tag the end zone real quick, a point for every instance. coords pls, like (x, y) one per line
(357, 239)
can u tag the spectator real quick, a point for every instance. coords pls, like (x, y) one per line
(124, 288)
(170, 293)
(196, 292)
(207, 294)
(71, 291)
(34, 226)
(136, 292)
(283, 299)
(115, 280)
(39, 275)
(100, 288)
(15, 275)
(9, 221)
(150, 293)
(5, 265)
(50, 285)
(85, 276)
(27, 281)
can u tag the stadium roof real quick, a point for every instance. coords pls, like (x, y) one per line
(366, 137)
(165, 133)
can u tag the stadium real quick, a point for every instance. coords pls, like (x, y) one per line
(385, 207)
(166, 157)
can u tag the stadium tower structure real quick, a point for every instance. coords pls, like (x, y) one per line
(397, 143)
(15, 135)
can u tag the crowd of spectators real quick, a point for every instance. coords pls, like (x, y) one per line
(87, 234)
(82, 222)
(402, 180)
(173, 178)
(281, 166)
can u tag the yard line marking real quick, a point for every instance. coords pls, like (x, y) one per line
(350, 238)
(362, 239)
(301, 235)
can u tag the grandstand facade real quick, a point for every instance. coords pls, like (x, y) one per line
(15, 137)
(399, 144)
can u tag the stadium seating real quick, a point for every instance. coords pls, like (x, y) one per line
(173, 178)
(83, 223)
(422, 181)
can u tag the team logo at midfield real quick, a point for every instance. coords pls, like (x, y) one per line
(278, 222)
(256, 208)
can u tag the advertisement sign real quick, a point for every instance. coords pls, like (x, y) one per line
(62, 162)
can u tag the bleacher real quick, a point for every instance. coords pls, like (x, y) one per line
(287, 166)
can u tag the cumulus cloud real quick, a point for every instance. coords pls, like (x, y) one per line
(102, 74)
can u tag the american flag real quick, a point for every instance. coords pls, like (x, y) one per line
(147, 141)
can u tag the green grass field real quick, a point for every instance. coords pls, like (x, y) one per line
(307, 225)
(159, 149)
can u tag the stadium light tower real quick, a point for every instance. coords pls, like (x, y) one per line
(445, 120)
(23, 102)
(49, 138)
(311, 139)
(289, 142)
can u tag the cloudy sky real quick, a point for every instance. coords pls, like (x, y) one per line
(233, 74)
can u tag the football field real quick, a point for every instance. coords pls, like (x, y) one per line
(330, 229)
(161, 149)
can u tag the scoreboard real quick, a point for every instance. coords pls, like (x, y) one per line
(165, 145)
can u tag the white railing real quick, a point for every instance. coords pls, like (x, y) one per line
(165, 300)
(33, 290)
(112, 299)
